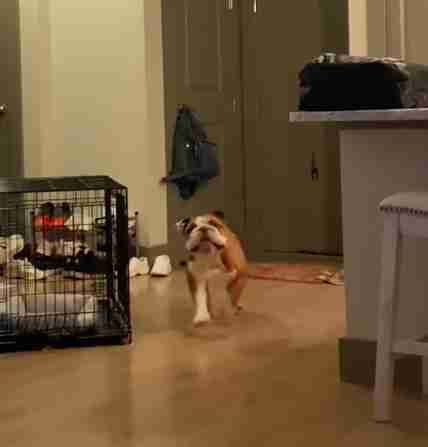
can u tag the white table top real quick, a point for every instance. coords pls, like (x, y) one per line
(387, 115)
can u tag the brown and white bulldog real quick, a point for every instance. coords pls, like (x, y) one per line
(214, 250)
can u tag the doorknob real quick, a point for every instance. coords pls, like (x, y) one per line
(3, 109)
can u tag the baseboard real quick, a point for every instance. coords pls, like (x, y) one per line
(357, 362)
(152, 252)
(294, 257)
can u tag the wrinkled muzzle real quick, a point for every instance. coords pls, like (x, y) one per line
(205, 239)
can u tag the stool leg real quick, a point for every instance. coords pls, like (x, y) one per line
(386, 319)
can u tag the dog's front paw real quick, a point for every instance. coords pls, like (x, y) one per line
(237, 309)
(201, 321)
(232, 274)
(201, 318)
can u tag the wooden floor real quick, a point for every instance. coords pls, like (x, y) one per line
(266, 378)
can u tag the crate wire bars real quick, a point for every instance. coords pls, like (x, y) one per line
(64, 253)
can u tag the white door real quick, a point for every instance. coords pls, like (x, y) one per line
(292, 171)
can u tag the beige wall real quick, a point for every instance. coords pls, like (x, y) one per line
(93, 97)
(357, 27)
(368, 27)
(410, 31)
(393, 28)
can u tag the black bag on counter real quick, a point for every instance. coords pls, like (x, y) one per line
(350, 86)
(345, 82)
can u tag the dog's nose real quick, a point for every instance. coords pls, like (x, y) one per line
(204, 230)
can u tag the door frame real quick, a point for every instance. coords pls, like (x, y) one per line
(11, 117)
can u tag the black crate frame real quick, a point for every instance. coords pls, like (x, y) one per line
(56, 310)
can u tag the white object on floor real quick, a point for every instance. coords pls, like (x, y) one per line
(58, 311)
(161, 266)
(9, 246)
(24, 269)
(336, 279)
(138, 266)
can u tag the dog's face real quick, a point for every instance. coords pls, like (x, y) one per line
(205, 234)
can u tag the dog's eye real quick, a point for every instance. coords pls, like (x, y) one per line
(214, 223)
(190, 228)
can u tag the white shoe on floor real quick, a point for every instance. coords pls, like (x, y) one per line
(138, 266)
(161, 266)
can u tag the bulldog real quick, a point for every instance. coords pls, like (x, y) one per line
(214, 251)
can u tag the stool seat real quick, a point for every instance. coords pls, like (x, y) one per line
(406, 203)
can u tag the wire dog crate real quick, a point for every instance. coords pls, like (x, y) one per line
(64, 262)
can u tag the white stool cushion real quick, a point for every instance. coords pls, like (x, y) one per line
(406, 202)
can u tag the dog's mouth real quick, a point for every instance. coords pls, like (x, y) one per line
(206, 246)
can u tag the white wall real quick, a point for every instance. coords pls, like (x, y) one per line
(376, 163)
(93, 97)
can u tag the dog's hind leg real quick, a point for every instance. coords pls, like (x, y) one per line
(235, 289)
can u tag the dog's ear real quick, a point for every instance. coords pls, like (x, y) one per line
(219, 214)
(182, 224)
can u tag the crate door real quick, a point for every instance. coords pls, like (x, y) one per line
(122, 251)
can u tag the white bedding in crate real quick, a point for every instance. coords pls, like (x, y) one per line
(48, 312)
